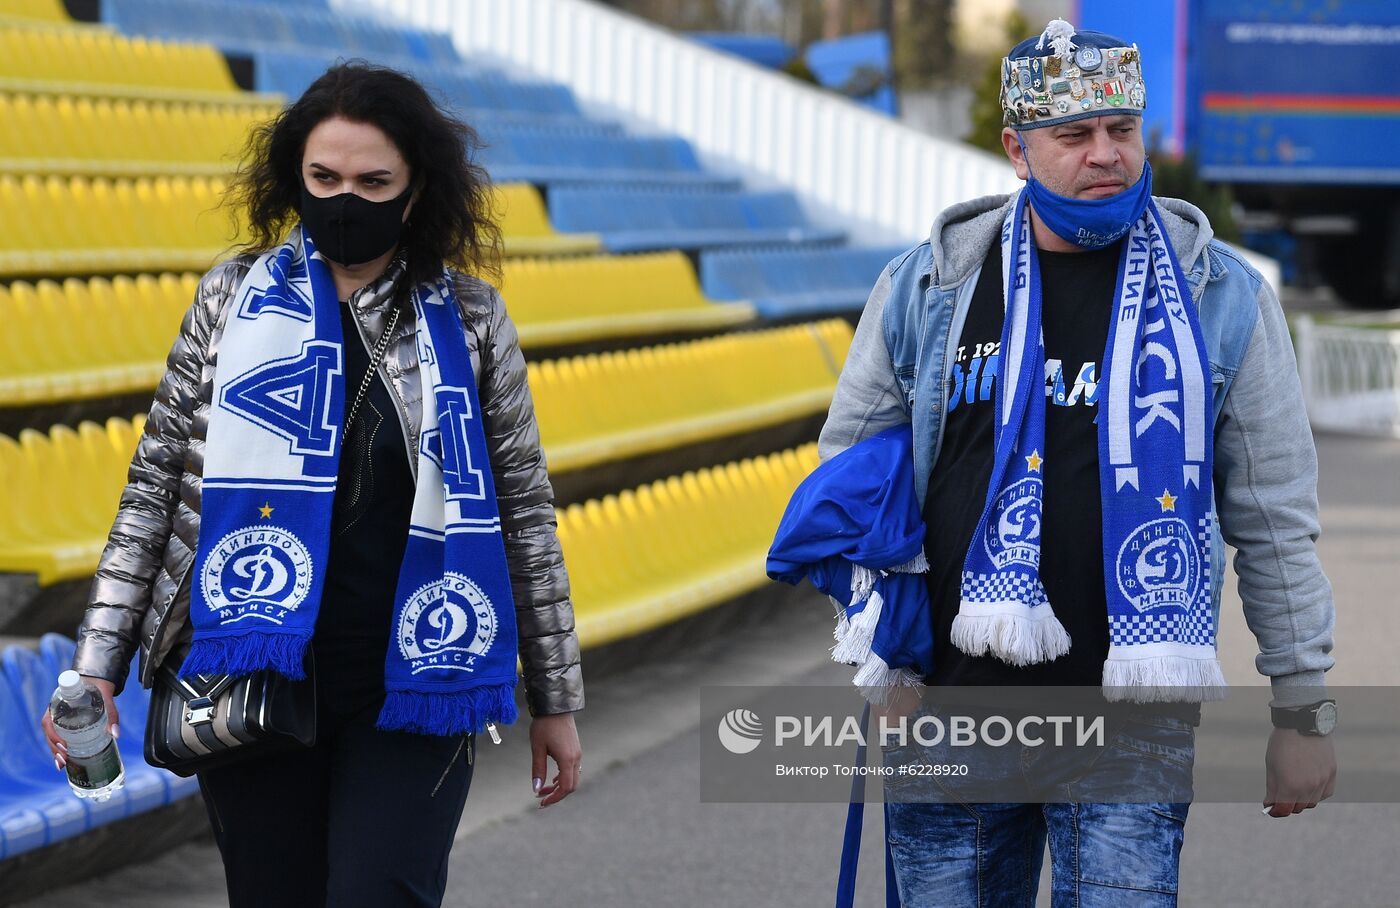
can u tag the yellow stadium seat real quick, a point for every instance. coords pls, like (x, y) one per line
(80, 135)
(567, 300)
(32, 53)
(525, 225)
(60, 494)
(50, 11)
(88, 338)
(609, 406)
(646, 557)
(73, 225)
(70, 225)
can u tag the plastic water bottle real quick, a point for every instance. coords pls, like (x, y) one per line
(80, 718)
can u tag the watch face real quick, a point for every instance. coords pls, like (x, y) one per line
(1326, 718)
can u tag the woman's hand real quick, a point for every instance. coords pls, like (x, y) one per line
(554, 736)
(56, 745)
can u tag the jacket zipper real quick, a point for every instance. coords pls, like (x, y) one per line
(148, 671)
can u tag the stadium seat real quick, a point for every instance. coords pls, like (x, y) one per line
(75, 225)
(568, 300)
(116, 332)
(60, 494)
(784, 283)
(88, 338)
(468, 89)
(259, 25)
(36, 805)
(51, 11)
(633, 220)
(564, 154)
(48, 53)
(31, 682)
(526, 227)
(609, 406)
(53, 134)
(651, 555)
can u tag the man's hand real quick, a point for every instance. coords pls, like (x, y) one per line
(903, 701)
(1301, 771)
(557, 737)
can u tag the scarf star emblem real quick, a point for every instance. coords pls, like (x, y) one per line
(1167, 501)
(266, 510)
(1034, 460)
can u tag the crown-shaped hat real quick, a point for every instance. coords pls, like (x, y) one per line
(1066, 75)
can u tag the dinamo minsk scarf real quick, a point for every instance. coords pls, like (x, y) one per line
(272, 458)
(1155, 455)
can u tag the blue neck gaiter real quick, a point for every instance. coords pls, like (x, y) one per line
(1090, 223)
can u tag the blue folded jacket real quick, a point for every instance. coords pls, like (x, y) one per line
(854, 529)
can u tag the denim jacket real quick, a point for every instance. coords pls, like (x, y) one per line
(1265, 476)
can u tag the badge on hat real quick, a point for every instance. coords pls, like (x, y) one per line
(1065, 74)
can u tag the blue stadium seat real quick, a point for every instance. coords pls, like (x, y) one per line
(147, 787)
(633, 220)
(254, 24)
(36, 806)
(469, 89)
(30, 682)
(540, 154)
(782, 283)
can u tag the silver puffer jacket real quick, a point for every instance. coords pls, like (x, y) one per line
(141, 592)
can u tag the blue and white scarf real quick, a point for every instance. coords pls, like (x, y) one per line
(272, 458)
(1155, 449)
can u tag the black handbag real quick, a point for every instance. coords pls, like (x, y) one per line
(212, 720)
(206, 721)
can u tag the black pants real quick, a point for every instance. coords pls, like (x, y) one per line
(353, 821)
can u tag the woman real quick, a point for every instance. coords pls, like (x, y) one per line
(370, 220)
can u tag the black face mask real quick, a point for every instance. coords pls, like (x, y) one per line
(351, 230)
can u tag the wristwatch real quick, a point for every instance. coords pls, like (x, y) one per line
(1317, 719)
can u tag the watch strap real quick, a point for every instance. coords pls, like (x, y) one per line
(1299, 718)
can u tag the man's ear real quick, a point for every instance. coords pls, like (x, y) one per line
(1014, 153)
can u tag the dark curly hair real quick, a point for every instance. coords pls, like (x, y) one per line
(452, 221)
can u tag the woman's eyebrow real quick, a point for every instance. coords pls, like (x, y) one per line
(368, 173)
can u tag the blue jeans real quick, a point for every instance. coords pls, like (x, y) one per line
(952, 850)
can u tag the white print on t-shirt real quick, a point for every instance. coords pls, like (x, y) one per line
(973, 379)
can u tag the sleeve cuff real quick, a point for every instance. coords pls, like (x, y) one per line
(1298, 689)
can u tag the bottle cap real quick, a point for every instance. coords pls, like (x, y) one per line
(70, 683)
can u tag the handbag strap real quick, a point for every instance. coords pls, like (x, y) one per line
(376, 356)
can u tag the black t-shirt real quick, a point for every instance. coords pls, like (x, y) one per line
(1077, 296)
(369, 532)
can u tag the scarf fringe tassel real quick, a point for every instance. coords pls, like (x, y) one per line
(1015, 639)
(876, 681)
(853, 647)
(916, 565)
(450, 712)
(1163, 679)
(243, 654)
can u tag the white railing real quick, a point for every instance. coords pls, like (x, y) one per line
(1351, 376)
(853, 163)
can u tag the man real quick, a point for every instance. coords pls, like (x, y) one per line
(1074, 535)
